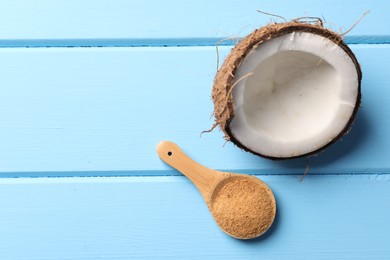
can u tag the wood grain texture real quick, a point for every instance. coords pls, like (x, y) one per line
(101, 111)
(323, 217)
(91, 22)
(205, 179)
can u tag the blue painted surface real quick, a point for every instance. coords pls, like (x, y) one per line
(323, 217)
(99, 109)
(118, 19)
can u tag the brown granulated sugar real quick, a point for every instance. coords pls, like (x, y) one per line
(244, 207)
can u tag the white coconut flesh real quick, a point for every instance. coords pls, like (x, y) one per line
(296, 94)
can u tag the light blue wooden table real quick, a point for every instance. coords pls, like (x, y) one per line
(88, 88)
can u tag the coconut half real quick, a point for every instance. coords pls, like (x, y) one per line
(287, 90)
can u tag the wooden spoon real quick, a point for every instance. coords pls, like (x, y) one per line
(243, 206)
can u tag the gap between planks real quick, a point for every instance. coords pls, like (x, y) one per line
(173, 173)
(169, 42)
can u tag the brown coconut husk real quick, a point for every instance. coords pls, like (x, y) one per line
(224, 79)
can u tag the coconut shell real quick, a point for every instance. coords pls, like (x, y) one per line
(224, 79)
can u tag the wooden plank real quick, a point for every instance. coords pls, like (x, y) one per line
(89, 111)
(90, 22)
(323, 217)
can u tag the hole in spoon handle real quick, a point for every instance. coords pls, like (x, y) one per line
(171, 154)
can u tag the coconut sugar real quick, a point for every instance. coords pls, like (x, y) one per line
(243, 207)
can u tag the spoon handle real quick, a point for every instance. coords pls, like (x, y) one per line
(203, 177)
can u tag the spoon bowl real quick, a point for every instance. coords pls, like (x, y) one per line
(243, 206)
